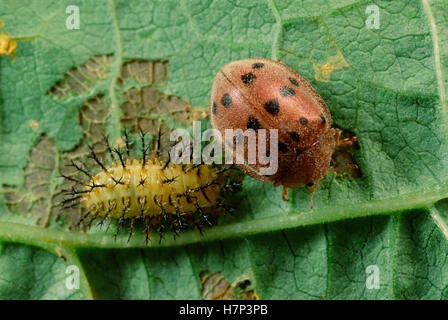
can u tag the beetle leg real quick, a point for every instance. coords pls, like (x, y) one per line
(349, 165)
(343, 142)
(285, 193)
(313, 190)
(346, 142)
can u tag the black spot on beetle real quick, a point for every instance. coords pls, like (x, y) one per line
(298, 151)
(253, 123)
(248, 78)
(226, 100)
(287, 92)
(295, 136)
(310, 184)
(244, 284)
(293, 81)
(303, 121)
(282, 147)
(215, 108)
(322, 119)
(272, 106)
(257, 65)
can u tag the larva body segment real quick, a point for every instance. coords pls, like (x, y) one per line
(144, 191)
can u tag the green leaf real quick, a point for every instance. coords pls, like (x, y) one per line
(138, 62)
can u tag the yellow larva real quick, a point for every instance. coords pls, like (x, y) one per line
(153, 191)
(142, 191)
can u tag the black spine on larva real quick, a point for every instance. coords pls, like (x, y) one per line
(178, 217)
(225, 169)
(74, 180)
(204, 216)
(120, 222)
(131, 230)
(120, 156)
(126, 141)
(141, 182)
(198, 226)
(170, 180)
(95, 157)
(205, 195)
(194, 166)
(232, 186)
(142, 137)
(160, 230)
(169, 158)
(100, 224)
(173, 228)
(83, 218)
(109, 149)
(65, 205)
(159, 135)
(142, 202)
(73, 164)
(89, 224)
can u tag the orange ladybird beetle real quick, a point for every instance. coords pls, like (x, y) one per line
(266, 94)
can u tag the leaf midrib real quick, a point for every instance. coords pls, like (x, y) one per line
(48, 238)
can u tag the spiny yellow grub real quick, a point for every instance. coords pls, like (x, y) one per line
(130, 189)
(156, 192)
